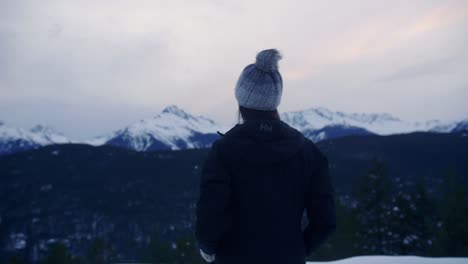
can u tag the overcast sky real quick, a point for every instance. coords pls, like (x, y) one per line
(88, 67)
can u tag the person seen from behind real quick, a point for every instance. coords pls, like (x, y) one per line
(259, 179)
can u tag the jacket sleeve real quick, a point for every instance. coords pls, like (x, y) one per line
(212, 213)
(320, 206)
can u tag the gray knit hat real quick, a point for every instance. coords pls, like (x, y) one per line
(260, 85)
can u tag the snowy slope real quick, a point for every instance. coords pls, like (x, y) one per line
(382, 124)
(16, 139)
(99, 140)
(175, 129)
(397, 259)
(460, 126)
(172, 129)
(333, 131)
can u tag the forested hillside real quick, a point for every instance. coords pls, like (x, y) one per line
(401, 194)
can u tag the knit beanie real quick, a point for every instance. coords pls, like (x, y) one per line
(260, 85)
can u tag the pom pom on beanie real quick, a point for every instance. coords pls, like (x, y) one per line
(267, 60)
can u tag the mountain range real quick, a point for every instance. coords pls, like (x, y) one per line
(174, 129)
(17, 139)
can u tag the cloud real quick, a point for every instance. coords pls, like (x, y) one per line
(438, 18)
(136, 57)
(432, 68)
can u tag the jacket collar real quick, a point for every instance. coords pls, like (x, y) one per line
(264, 140)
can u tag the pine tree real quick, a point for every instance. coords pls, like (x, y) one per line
(58, 254)
(371, 211)
(452, 233)
(100, 252)
(158, 251)
(187, 252)
(16, 260)
(410, 220)
(424, 219)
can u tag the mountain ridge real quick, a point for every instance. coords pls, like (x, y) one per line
(14, 139)
(173, 128)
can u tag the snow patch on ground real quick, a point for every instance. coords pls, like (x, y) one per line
(397, 259)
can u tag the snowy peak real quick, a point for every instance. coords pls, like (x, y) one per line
(41, 129)
(176, 111)
(327, 114)
(175, 117)
(49, 134)
(336, 117)
(172, 129)
(460, 126)
(39, 134)
(378, 123)
(14, 139)
(370, 118)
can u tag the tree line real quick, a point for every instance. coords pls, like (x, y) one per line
(385, 216)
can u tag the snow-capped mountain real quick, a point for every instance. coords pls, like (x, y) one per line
(172, 129)
(99, 140)
(314, 119)
(455, 127)
(176, 129)
(333, 131)
(16, 139)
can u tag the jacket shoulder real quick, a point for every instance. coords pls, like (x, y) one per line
(218, 147)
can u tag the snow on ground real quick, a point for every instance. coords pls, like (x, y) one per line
(397, 260)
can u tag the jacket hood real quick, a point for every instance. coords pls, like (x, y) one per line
(264, 141)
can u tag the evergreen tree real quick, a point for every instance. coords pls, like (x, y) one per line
(424, 220)
(372, 211)
(452, 232)
(58, 254)
(158, 251)
(16, 260)
(100, 252)
(187, 252)
(410, 219)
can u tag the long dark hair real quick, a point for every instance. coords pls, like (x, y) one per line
(246, 114)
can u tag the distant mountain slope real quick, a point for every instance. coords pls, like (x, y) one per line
(16, 139)
(461, 126)
(175, 129)
(408, 156)
(382, 124)
(172, 129)
(333, 131)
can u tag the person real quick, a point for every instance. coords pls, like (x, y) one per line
(260, 178)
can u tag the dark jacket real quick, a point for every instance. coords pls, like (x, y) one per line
(256, 182)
